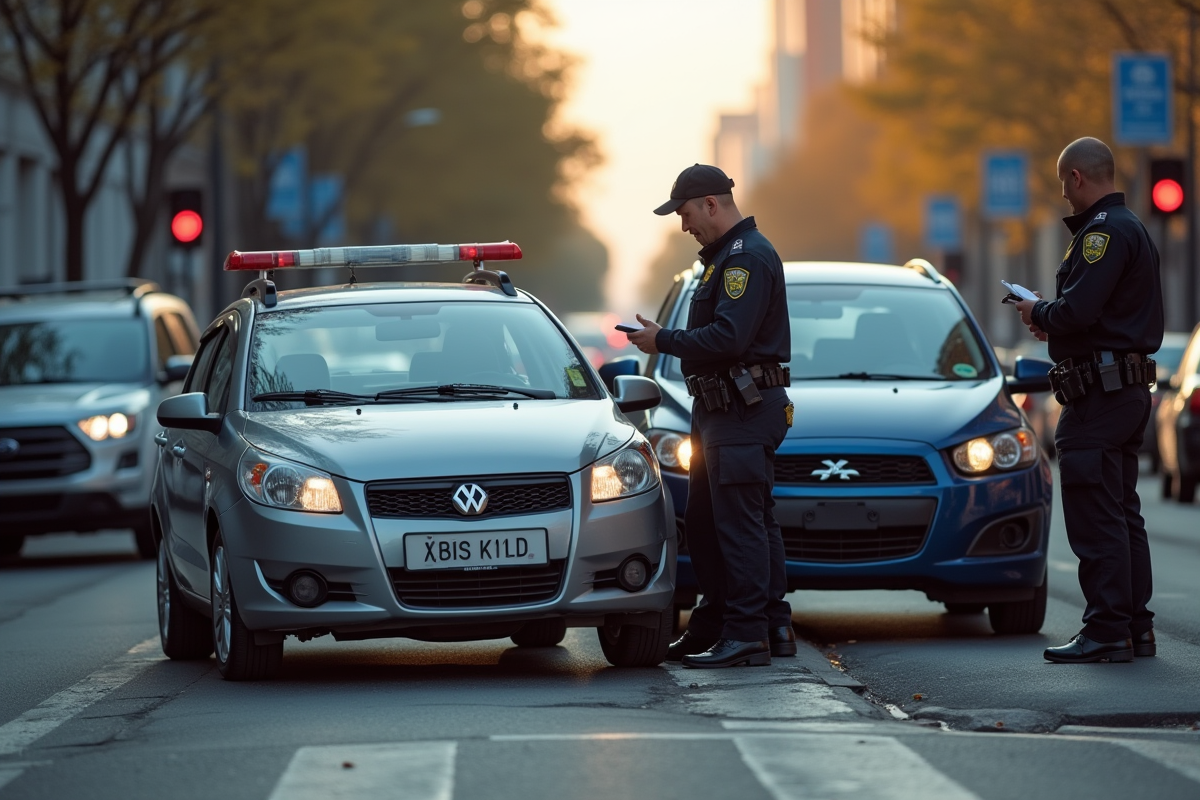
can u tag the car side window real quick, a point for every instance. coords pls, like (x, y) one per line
(217, 388)
(165, 344)
(181, 337)
(198, 377)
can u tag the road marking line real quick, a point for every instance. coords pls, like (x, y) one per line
(806, 727)
(1063, 566)
(398, 771)
(8, 776)
(1181, 758)
(806, 766)
(38, 721)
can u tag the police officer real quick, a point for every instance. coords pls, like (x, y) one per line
(1106, 318)
(737, 337)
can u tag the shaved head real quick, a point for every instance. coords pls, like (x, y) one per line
(1091, 157)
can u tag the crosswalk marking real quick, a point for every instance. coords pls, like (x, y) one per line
(803, 766)
(398, 771)
(1182, 758)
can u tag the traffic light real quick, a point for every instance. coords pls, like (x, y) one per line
(187, 217)
(1167, 187)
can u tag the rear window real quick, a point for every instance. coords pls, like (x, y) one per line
(74, 351)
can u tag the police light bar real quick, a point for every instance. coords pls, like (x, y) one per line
(380, 256)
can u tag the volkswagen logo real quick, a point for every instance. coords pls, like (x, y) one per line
(8, 448)
(470, 499)
(835, 469)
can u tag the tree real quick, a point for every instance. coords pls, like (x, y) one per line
(86, 68)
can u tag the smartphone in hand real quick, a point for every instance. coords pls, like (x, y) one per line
(626, 328)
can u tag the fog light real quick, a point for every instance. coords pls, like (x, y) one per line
(1012, 535)
(306, 589)
(634, 573)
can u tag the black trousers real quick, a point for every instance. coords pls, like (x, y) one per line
(1098, 438)
(732, 536)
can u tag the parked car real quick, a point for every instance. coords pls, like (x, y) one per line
(1167, 360)
(1177, 420)
(82, 368)
(909, 465)
(431, 461)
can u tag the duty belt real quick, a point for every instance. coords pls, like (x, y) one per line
(715, 391)
(1109, 371)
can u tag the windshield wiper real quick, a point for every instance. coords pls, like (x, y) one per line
(464, 390)
(866, 376)
(314, 397)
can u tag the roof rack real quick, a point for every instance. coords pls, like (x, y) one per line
(925, 268)
(134, 287)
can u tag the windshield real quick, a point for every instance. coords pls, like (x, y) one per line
(74, 351)
(368, 349)
(885, 331)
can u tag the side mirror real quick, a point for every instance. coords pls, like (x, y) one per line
(176, 368)
(635, 393)
(188, 411)
(1030, 375)
(625, 365)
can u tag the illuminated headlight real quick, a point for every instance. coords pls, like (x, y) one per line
(629, 471)
(271, 481)
(674, 450)
(107, 426)
(1001, 451)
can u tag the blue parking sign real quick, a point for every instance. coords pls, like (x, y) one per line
(875, 243)
(1143, 99)
(943, 222)
(1005, 184)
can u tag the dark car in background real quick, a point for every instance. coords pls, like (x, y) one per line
(910, 466)
(1177, 424)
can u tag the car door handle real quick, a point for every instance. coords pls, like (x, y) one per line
(179, 450)
(160, 438)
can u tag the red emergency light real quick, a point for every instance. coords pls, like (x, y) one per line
(377, 256)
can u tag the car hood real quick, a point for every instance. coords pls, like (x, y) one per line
(940, 413)
(429, 440)
(54, 402)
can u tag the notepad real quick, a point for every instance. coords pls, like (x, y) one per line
(1020, 291)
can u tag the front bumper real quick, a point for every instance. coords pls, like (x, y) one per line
(358, 556)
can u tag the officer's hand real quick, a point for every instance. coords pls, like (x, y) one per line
(644, 339)
(1026, 309)
(1038, 333)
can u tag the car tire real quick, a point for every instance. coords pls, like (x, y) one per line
(541, 633)
(965, 608)
(239, 658)
(143, 536)
(185, 633)
(636, 646)
(1187, 489)
(1168, 485)
(11, 544)
(1023, 616)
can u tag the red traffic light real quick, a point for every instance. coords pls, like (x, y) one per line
(1167, 195)
(186, 226)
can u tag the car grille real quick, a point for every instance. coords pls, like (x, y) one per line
(454, 588)
(799, 469)
(49, 452)
(844, 547)
(530, 494)
(840, 531)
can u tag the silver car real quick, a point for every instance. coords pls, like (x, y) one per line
(432, 461)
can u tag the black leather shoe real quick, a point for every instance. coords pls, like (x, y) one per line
(783, 641)
(728, 653)
(688, 645)
(1144, 646)
(1082, 650)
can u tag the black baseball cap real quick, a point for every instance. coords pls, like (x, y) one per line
(698, 180)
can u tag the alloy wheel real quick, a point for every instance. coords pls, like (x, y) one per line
(222, 610)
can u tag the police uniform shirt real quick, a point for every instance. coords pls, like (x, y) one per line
(739, 312)
(1108, 291)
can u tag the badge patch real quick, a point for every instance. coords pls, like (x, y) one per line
(1094, 245)
(737, 245)
(735, 282)
(789, 413)
(708, 273)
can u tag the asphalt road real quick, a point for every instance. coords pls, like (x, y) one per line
(89, 708)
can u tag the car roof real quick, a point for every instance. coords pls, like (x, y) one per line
(857, 272)
(360, 293)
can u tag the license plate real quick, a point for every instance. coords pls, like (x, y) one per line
(475, 550)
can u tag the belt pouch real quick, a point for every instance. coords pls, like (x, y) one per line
(744, 382)
(1110, 372)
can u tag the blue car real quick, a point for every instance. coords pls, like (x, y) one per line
(909, 465)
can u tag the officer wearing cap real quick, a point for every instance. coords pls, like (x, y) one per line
(1107, 316)
(737, 338)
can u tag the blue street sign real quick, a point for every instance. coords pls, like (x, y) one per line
(1142, 98)
(875, 243)
(1005, 184)
(943, 222)
(325, 203)
(285, 198)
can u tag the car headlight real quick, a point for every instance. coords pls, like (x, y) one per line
(274, 482)
(999, 452)
(108, 426)
(673, 450)
(629, 471)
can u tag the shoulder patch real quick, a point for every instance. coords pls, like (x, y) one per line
(736, 279)
(737, 246)
(1103, 215)
(1094, 245)
(708, 273)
